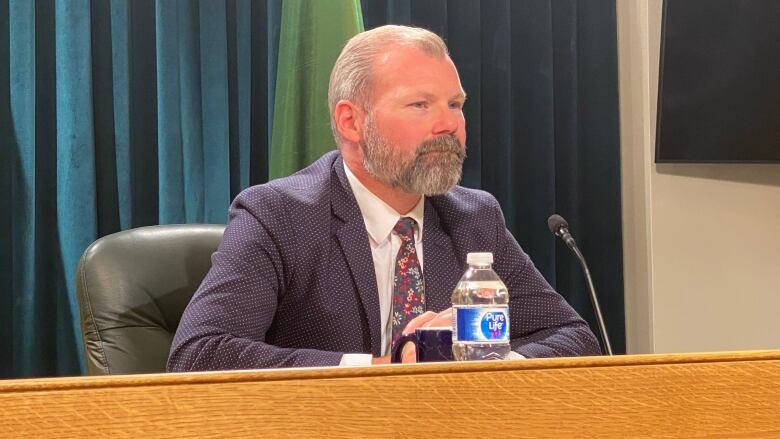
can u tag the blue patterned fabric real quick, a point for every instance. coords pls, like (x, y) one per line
(293, 284)
(408, 282)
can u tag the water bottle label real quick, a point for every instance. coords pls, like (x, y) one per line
(481, 324)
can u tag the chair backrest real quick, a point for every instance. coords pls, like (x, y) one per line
(132, 289)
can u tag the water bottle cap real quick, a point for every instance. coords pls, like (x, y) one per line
(479, 258)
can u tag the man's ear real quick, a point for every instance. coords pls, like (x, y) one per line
(349, 121)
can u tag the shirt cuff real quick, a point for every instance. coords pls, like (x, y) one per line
(352, 360)
(513, 356)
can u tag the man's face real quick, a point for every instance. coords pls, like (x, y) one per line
(414, 134)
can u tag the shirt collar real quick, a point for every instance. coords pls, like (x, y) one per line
(378, 216)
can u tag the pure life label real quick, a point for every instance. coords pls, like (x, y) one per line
(481, 324)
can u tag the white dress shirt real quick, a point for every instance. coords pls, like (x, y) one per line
(380, 219)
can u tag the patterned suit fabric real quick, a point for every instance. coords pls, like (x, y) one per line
(292, 283)
(408, 282)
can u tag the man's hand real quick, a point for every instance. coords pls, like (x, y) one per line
(428, 319)
(409, 353)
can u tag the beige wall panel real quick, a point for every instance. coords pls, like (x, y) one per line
(702, 241)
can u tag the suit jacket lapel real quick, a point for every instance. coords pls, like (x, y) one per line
(442, 267)
(350, 231)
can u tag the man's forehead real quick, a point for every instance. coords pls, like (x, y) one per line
(399, 53)
(411, 62)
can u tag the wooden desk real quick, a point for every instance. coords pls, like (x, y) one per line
(719, 394)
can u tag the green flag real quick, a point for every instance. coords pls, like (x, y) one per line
(312, 34)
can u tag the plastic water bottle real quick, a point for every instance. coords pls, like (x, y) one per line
(480, 312)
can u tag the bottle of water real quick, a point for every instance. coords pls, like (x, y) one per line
(480, 312)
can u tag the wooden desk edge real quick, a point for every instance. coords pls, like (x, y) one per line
(68, 383)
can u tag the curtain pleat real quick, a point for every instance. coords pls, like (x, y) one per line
(119, 13)
(76, 212)
(106, 177)
(464, 18)
(241, 92)
(533, 162)
(213, 70)
(142, 98)
(565, 101)
(169, 140)
(188, 59)
(21, 117)
(8, 161)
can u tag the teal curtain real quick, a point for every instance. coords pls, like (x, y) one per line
(117, 114)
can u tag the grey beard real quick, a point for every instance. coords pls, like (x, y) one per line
(427, 174)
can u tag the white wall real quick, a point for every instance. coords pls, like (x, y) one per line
(702, 242)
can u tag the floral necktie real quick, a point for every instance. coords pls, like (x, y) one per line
(408, 282)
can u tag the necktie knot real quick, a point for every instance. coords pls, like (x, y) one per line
(405, 228)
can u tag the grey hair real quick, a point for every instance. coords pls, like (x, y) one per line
(351, 76)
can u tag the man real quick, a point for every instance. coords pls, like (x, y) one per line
(304, 275)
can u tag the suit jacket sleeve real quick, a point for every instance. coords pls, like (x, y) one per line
(225, 324)
(542, 324)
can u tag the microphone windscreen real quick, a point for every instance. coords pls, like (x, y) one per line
(555, 223)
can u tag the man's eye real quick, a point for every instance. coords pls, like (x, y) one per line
(421, 104)
(456, 105)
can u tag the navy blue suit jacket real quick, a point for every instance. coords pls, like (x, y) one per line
(293, 284)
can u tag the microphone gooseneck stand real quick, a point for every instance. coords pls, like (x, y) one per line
(560, 228)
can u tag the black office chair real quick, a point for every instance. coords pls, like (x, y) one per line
(132, 289)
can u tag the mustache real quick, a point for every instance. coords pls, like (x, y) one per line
(446, 143)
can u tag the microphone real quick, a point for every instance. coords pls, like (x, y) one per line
(560, 228)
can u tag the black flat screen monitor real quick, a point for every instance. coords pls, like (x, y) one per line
(719, 82)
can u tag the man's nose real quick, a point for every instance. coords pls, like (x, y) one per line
(446, 121)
